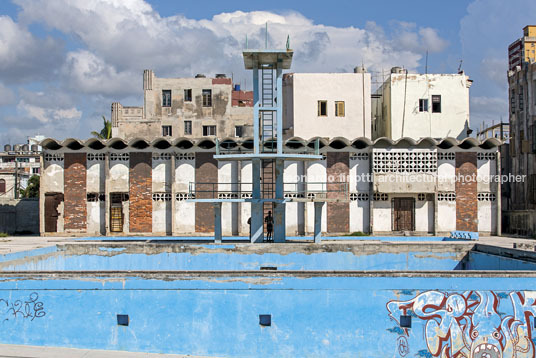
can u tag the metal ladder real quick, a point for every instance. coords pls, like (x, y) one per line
(267, 100)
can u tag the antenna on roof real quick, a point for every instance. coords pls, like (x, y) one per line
(288, 42)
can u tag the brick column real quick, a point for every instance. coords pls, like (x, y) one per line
(206, 171)
(75, 200)
(466, 192)
(140, 193)
(338, 213)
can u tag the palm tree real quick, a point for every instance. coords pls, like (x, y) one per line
(106, 131)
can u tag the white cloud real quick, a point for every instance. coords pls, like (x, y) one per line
(117, 39)
(48, 106)
(7, 96)
(84, 72)
(129, 36)
(23, 57)
(46, 115)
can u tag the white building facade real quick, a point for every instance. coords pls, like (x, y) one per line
(329, 105)
(421, 105)
(142, 187)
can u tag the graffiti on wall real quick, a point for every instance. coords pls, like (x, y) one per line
(26, 308)
(472, 324)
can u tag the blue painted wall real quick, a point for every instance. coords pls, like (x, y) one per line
(313, 317)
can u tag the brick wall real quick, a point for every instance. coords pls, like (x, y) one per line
(141, 196)
(338, 219)
(466, 192)
(206, 171)
(75, 209)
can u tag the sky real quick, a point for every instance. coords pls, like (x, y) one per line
(63, 62)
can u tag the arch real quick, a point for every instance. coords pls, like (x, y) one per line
(447, 143)
(295, 143)
(206, 144)
(383, 142)
(248, 143)
(339, 143)
(322, 142)
(138, 143)
(183, 143)
(468, 143)
(116, 143)
(94, 143)
(361, 143)
(161, 143)
(73, 144)
(51, 144)
(490, 143)
(228, 143)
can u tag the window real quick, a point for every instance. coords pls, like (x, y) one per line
(512, 102)
(166, 131)
(322, 108)
(423, 105)
(238, 131)
(436, 104)
(207, 98)
(166, 98)
(187, 127)
(188, 95)
(521, 98)
(35, 170)
(339, 108)
(2, 186)
(209, 130)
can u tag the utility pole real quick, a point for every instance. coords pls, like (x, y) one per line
(16, 178)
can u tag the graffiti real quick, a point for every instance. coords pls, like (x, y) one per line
(403, 346)
(469, 325)
(30, 308)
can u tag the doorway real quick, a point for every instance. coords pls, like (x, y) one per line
(116, 212)
(403, 214)
(52, 201)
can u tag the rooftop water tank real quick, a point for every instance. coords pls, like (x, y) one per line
(221, 75)
(25, 148)
(7, 148)
(360, 69)
(200, 75)
(237, 87)
(16, 148)
(35, 148)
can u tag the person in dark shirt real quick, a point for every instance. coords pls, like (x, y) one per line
(269, 220)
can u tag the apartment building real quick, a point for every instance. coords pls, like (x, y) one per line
(327, 104)
(421, 105)
(186, 107)
(522, 98)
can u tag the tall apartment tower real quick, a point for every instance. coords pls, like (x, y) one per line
(523, 49)
(522, 99)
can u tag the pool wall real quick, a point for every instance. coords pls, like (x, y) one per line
(353, 311)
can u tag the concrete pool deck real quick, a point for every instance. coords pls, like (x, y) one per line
(20, 351)
(12, 244)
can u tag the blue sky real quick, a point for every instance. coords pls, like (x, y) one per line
(63, 62)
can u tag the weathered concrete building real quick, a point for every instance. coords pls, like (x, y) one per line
(421, 105)
(186, 107)
(17, 164)
(143, 187)
(522, 92)
(330, 104)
